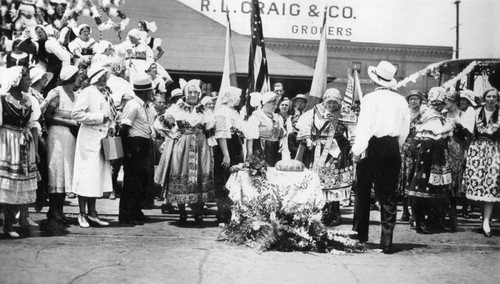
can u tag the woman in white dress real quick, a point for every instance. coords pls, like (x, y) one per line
(61, 142)
(95, 110)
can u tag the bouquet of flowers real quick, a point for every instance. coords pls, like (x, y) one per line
(255, 165)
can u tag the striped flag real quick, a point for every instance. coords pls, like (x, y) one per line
(318, 85)
(348, 98)
(229, 74)
(258, 75)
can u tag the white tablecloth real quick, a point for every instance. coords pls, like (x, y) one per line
(294, 188)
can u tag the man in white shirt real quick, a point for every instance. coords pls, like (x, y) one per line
(383, 124)
(137, 132)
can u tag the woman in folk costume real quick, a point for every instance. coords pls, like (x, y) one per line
(286, 112)
(327, 152)
(137, 54)
(482, 172)
(189, 165)
(50, 53)
(408, 151)
(61, 143)
(82, 47)
(105, 54)
(19, 113)
(17, 57)
(94, 109)
(431, 177)
(153, 42)
(229, 151)
(264, 128)
(468, 107)
(457, 145)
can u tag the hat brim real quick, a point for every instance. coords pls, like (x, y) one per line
(143, 89)
(295, 99)
(375, 78)
(97, 77)
(421, 97)
(473, 103)
(49, 76)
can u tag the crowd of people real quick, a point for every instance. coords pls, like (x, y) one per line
(60, 99)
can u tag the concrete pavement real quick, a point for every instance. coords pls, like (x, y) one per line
(162, 252)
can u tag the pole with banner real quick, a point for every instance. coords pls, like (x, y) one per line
(229, 78)
(318, 85)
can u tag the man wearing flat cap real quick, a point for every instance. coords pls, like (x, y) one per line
(138, 164)
(383, 124)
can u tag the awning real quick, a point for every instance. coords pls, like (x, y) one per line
(196, 43)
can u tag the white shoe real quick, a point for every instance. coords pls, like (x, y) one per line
(98, 221)
(11, 234)
(83, 221)
(31, 222)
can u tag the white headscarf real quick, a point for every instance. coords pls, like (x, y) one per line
(258, 99)
(192, 83)
(228, 97)
(11, 78)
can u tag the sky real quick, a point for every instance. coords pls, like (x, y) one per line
(416, 22)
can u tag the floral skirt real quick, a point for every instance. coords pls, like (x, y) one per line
(336, 183)
(457, 161)
(191, 170)
(61, 146)
(407, 168)
(431, 177)
(18, 171)
(482, 171)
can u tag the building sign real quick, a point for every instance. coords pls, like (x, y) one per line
(295, 19)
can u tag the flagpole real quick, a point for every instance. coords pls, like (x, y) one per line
(318, 85)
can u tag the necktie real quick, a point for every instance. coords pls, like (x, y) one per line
(107, 95)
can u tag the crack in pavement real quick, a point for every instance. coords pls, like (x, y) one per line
(202, 263)
(93, 269)
(39, 251)
(350, 271)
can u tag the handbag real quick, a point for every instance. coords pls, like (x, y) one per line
(113, 147)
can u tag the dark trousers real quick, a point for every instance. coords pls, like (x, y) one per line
(138, 170)
(381, 167)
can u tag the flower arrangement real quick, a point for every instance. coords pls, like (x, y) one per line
(254, 164)
(273, 221)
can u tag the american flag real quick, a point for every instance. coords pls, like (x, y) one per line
(258, 75)
(353, 90)
(349, 91)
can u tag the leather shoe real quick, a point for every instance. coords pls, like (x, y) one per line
(423, 230)
(98, 221)
(387, 250)
(486, 233)
(82, 221)
(11, 234)
(360, 239)
(405, 217)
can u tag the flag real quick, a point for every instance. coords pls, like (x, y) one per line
(258, 75)
(318, 85)
(348, 98)
(229, 73)
(358, 94)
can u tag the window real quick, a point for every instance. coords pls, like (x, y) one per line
(356, 66)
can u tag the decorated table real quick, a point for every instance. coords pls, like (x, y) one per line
(282, 210)
(293, 188)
